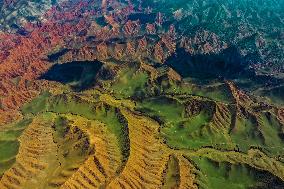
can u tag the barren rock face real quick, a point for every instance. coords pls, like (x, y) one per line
(281, 114)
(16, 14)
(141, 94)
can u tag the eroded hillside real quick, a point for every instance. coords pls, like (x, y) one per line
(123, 94)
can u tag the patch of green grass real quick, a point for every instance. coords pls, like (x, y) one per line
(129, 83)
(13, 131)
(223, 175)
(170, 110)
(116, 125)
(10, 135)
(184, 132)
(8, 149)
(271, 128)
(219, 93)
(71, 104)
(5, 165)
(265, 136)
(9, 144)
(215, 91)
(216, 175)
(60, 125)
(36, 105)
(187, 134)
(246, 134)
(172, 175)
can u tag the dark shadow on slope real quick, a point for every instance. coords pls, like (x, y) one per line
(79, 74)
(55, 56)
(227, 64)
(143, 18)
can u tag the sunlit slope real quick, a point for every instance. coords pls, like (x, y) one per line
(152, 131)
(141, 94)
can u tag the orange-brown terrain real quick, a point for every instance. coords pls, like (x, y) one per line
(140, 94)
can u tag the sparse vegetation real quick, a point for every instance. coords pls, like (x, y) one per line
(141, 94)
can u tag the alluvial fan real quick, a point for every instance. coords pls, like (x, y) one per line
(141, 94)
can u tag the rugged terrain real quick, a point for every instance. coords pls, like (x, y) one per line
(143, 94)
